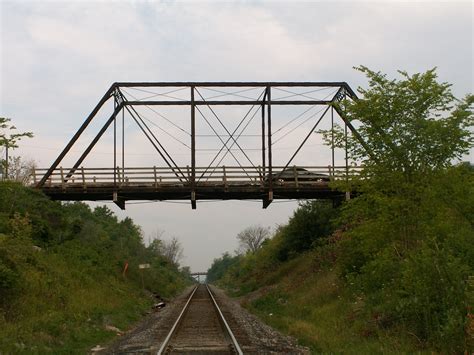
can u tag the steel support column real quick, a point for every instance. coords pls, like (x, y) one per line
(263, 138)
(332, 142)
(269, 199)
(115, 143)
(348, 194)
(193, 150)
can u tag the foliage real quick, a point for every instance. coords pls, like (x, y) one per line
(312, 304)
(409, 249)
(410, 126)
(252, 238)
(220, 266)
(403, 249)
(171, 249)
(310, 223)
(10, 140)
(21, 169)
(62, 273)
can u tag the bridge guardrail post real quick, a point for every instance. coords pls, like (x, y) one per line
(224, 177)
(295, 172)
(84, 185)
(119, 177)
(116, 176)
(63, 185)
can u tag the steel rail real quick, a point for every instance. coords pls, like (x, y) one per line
(172, 332)
(175, 325)
(229, 331)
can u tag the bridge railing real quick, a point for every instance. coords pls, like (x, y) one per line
(182, 176)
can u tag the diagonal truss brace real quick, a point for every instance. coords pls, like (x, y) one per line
(124, 104)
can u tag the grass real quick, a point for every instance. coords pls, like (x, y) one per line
(61, 279)
(61, 308)
(71, 324)
(314, 307)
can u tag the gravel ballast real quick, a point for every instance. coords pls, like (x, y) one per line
(253, 335)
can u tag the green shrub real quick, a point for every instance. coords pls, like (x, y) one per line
(309, 223)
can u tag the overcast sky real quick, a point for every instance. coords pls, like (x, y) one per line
(58, 58)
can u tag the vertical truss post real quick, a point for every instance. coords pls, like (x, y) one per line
(193, 150)
(123, 144)
(263, 137)
(332, 141)
(269, 198)
(115, 143)
(348, 194)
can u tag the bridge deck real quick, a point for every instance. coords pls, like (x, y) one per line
(223, 183)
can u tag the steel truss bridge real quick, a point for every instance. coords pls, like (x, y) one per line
(170, 181)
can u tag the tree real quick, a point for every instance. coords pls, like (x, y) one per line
(409, 126)
(408, 246)
(310, 224)
(20, 170)
(10, 140)
(251, 238)
(220, 266)
(171, 249)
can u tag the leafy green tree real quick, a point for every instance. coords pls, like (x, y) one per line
(9, 139)
(220, 266)
(408, 249)
(410, 126)
(310, 223)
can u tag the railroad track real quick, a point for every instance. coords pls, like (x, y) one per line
(200, 328)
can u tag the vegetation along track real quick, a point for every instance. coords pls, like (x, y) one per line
(200, 328)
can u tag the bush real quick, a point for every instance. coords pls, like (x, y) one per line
(309, 223)
(61, 273)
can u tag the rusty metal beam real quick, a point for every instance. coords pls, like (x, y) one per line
(227, 102)
(193, 150)
(94, 141)
(234, 84)
(269, 198)
(76, 136)
(266, 191)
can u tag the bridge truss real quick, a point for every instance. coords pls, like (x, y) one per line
(168, 180)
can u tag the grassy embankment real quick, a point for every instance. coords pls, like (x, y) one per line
(61, 280)
(315, 307)
(392, 269)
(304, 282)
(418, 300)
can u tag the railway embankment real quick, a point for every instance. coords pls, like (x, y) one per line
(69, 274)
(201, 331)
